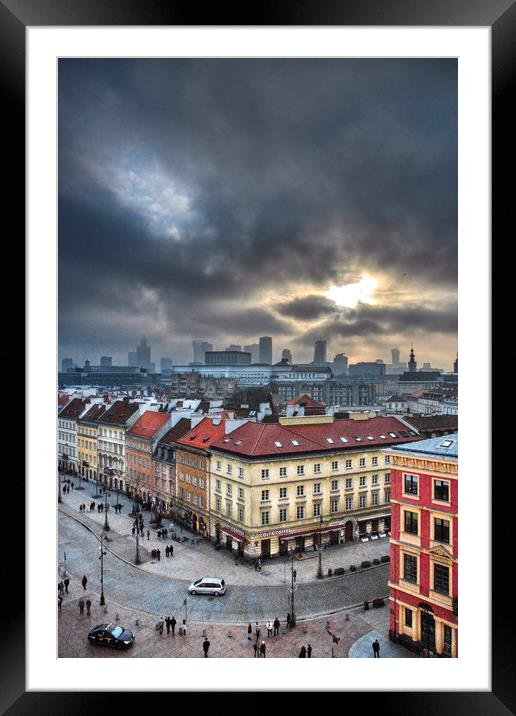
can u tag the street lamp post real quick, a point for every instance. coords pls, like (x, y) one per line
(137, 529)
(319, 566)
(106, 522)
(292, 603)
(102, 554)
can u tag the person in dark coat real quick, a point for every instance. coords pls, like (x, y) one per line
(276, 627)
(88, 607)
(249, 631)
(167, 624)
(167, 551)
(60, 588)
(84, 582)
(173, 625)
(376, 649)
(263, 648)
(81, 606)
(309, 651)
(302, 653)
(59, 602)
(158, 554)
(66, 584)
(171, 548)
(288, 620)
(255, 647)
(206, 647)
(148, 534)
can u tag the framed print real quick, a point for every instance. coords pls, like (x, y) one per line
(228, 224)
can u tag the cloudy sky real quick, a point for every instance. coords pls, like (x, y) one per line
(228, 199)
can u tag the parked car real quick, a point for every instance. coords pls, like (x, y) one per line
(208, 585)
(111, 635)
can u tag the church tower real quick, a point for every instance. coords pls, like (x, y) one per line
(412, 365)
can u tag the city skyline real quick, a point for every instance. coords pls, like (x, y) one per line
(319, 201)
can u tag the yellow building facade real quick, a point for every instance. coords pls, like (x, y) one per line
(87, 449)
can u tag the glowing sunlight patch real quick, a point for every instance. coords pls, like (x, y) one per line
(352, 294)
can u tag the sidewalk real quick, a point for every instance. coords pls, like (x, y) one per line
(191, 561)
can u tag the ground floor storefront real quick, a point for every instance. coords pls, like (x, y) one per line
(422, 626)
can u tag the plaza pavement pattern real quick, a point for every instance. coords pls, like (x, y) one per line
(151, 590)
(353, 634)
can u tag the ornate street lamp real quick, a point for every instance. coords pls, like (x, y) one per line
(319, 566)
(102, 555)
(106, 522)
(292, 585)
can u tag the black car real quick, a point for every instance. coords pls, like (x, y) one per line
(111, 635)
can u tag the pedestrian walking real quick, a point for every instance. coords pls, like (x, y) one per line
(263, 648)
(167, 624)
(309, 651)
(133, 530)
(302, 653)
(257, 632)
(183, 627)
(148, 534)
(206, 647)
(158, 554)
(81, 606)
(256, 563)
(66, 584)
(276, 626)
(288, 620)
(255, 647)
(159, 626)
(171, 548)
(84, 581)
(167, 551)
(249, 631)
(88, 607)
(60, 588)
(59, 602)
(376, 649)
(173, 625)
(269, 628)
(259, 564)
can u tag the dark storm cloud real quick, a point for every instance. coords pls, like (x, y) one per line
(186, 185)
(308, 307)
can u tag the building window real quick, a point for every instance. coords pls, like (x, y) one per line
(334, 465)
(217, 485)
(374, 461)
(374, 480)
(441, 579)
(334, 484)
(265, 518)
(217, 502)
(410, 484)
(265, 474)
(300, 490)
(349, 464)
(363, 481)
(282, 492)
(317, 488)
(362, 500)
(229, 469)
(201, 501)
(240, 493)
(441, 490)
(219, 464)
(229, 508)
(300, 469)
(411, 522)
(374, 498)
(283, 514)
(317, 467)
(229, 489)
(387, 459)
(283, 472)
(408, 618)
(334, 505)
(265, 495)
(240, 513)
(240, 472)
(387, 496)
(349, 503)
(300, 512)
(410, 568)
(441, 530)
(317, 509)
(362, 462)
(349, 482)
(447, 640)
(387, 478)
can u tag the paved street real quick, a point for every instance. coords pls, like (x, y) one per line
(227, 641)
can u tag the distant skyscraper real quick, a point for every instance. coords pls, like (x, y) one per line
(131, 359)
(427, 366)
(395, 353)
(234, 347)
(412, 364)
(265, 349)
(456, 364)
(320, 353)
(340, 364)
(199, 349)
(66, 364)
(254, 350)
(286, 354)
(166, 364)
(106, 361)
(143, 354)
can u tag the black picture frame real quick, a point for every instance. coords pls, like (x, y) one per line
(500, 16)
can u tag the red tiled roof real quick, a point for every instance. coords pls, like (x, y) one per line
(204, 434)
(148, 423)
(63, 399)
(182, 426)
(307, 401)
(259, 439)
(93, 413)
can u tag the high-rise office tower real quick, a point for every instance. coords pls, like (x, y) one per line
(320, 353)
(286, 355)
(106, 361)
(66, 364)
(143, 354)
(234, 347)
(254, 350)
(265, 344)
(340, 364)
(412, 364)
(166, 365)
(395, 353)
(131, 359)
(199, 350)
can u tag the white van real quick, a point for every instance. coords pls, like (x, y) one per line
(208, 585)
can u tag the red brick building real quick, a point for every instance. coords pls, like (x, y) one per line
(141, 441)
(424, 545)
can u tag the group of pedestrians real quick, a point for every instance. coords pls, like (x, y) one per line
(66, 487)
(272, 627)
(170, 624)
(163, 534)
(305, 652)
(62, 587)
(86, 604)
(259, 650)
(258, 564)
